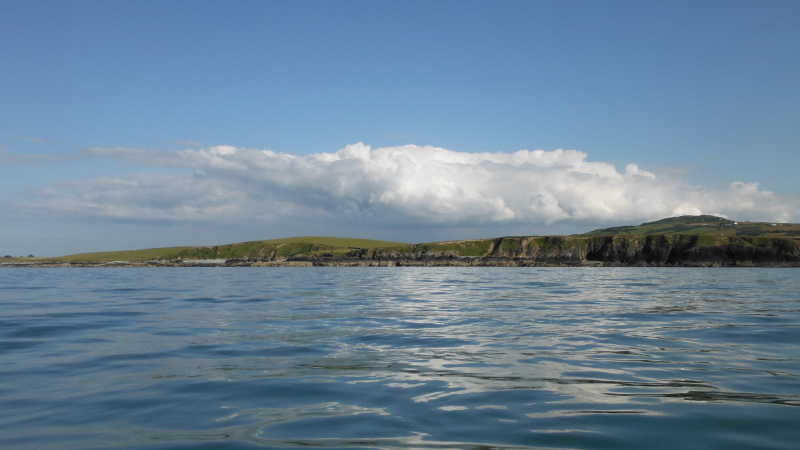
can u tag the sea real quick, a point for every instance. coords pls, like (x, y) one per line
(399, 358)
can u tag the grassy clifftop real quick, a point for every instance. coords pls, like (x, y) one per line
(703, 225)
(672, 241)
(284, 247)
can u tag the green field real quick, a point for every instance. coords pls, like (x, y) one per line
(254, 249)
(336, 242)
(704, 225)
(126, 255)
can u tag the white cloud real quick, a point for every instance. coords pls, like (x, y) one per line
(401, 186)
(24, 158)
(33, 139)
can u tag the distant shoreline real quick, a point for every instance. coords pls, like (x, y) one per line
(686, 241)
(400, 262)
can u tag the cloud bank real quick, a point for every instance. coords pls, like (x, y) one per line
(400, 186)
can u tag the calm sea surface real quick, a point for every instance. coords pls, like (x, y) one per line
(430, 358)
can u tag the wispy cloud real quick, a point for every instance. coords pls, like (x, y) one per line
(193, 144)
(22, 158)
(402, 186)
(33, 139)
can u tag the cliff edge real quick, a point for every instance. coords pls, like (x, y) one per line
(677, 241)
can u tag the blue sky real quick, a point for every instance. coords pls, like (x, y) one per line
(700, 94)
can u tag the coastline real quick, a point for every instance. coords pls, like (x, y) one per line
(686, 241)
(445, 261)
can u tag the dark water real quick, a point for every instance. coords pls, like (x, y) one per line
(202, 358)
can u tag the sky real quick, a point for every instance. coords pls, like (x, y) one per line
(138, 124)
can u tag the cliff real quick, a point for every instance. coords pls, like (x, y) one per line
(677, 241)
(647, 250)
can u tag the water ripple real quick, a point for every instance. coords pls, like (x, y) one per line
(450, 358)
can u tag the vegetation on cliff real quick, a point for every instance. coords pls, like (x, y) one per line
(686, 240)
(273, 248)
(704, 225)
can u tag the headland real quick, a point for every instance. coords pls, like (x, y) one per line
(686, 241)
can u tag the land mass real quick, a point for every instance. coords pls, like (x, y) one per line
(678, 241)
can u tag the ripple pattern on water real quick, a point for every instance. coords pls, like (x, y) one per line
(399, 358)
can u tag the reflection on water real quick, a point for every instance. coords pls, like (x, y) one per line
(399, 358)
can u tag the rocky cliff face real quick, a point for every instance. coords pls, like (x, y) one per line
(652, 250)
(689, 250)
(641, 250)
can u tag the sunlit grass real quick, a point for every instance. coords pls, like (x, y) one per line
(694, 231)
(254, 249)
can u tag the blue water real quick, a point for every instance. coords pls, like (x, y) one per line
(430, 358)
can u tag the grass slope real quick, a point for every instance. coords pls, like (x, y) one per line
(704, 230)
(125, 255)
(704, 225)
(253, 249)
(336, 242)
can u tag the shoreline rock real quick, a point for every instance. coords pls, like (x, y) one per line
(402, 262)
(535, 251)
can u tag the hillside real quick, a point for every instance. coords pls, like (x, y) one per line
(677, 241)
(703, 225)
(255, 249)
